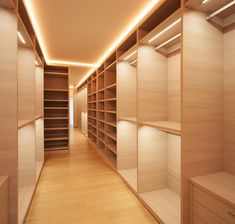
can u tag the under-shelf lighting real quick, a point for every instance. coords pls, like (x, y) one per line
(21, 37)
(36, 63)
(163, 31)
(130, 55)
(168, 41)
(133, 62)
(221, 10)
(205, 1)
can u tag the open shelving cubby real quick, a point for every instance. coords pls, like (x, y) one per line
(159, 118)
(127, 113)
(56, 108)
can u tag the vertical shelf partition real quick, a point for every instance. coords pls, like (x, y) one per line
(56, 108)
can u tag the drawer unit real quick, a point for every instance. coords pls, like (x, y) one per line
(209, 209)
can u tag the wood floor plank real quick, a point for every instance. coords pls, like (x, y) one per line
(77, 187)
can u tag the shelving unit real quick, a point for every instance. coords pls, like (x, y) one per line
(21, 70)
(172, 109)
(56, 108)
(101, 104)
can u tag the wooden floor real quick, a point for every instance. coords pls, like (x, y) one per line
(78, 187)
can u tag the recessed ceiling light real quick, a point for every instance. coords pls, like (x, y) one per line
(168, 41)
(163, 31)
(21, 37)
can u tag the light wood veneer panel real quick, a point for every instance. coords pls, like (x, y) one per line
(126, 90)
(4, 199)
(26, 84)
(202, 134)
(126, 145)
(39, 90)
(229, 102)
(174, 88)
(152, 85)
(8, 109)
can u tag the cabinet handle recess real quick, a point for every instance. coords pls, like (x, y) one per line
(231, 214)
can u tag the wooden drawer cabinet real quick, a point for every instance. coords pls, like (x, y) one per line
(209, 209)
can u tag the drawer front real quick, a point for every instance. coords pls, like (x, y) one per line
(216, 206)
(202, 215)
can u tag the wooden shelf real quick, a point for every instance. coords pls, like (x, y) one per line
(111, 86)
(56, 108)
(22, 123)
(56, 118)
(221, 185)
(128, 119)
(111, 99)
(56, 90)
(55, 138)
(130, 176)
(52, 148)
(56, 73)
(111, 112)
(113, 124)
(164, 203)
(112, 147)
(167, 126)
(55, 129)
(112, 136)
(55, 100)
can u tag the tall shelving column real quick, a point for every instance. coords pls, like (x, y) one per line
(56, 108)
(127, 111)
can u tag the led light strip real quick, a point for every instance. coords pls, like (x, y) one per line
(131, 54)
(205, 1)
(21, 37)
(221, 10)
(80, 64)
(163, 31)
(168, 41)
(133, 62)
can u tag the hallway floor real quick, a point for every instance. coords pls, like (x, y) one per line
(77, 187)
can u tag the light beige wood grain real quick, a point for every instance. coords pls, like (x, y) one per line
(80, 187)
(152, 85)
(218, 207)
(39, 154)
(205, 216)
(174, 88)
(165, 204)
(8, 109)
(26, 84)
(126, 90)
(229, 102)
(4, 199)
(26, 168)
(221, 185)
(126, 145)
(39, 90)
(173, 162)
(202, 132)
(130, 176)
(152, 159)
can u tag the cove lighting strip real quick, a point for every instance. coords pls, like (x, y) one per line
(163, 31)
(221, 10)
(21, 37)
(128, 30)
(168, 41)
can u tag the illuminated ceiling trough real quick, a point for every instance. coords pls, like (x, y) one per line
(78, 33)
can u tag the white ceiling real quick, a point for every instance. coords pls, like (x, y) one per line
(82, 30)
